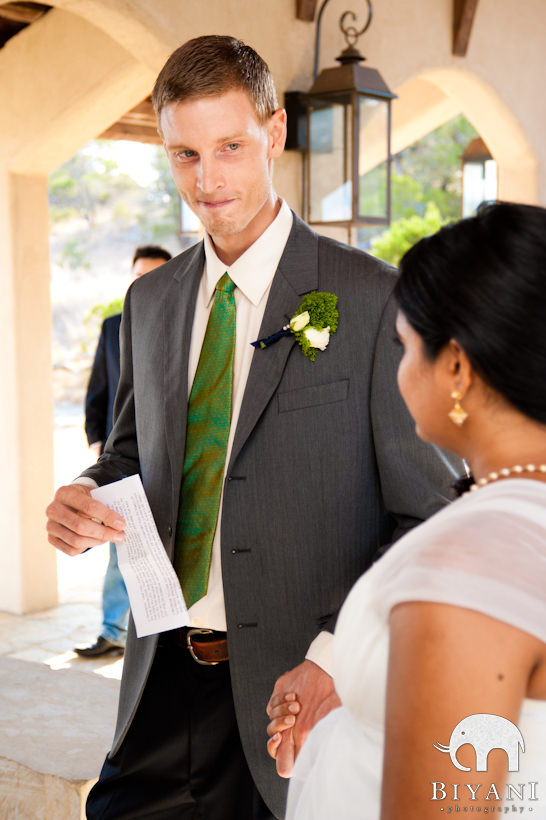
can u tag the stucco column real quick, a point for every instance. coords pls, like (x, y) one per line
(519, 183)
(28, 567)
(63, 81)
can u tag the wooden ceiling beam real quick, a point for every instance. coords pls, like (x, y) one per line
(22, 12)
(305, 10)
(144, 110)
(463, 18)
(134, 133)
(139, 125)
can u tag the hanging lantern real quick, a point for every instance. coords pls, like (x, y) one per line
(347, 139)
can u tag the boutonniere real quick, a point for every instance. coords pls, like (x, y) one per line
(312, 325)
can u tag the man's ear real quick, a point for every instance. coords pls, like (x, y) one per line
(276, 130)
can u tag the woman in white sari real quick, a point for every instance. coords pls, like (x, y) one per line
(440, 648)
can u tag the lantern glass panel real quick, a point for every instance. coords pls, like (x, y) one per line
(330, 186)
(373, 157)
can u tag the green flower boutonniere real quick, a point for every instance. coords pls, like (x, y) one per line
(316, 320)
(313, 324)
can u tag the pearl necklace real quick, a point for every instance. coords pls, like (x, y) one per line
(517, 469)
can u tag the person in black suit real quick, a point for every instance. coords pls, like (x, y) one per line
(99, 405)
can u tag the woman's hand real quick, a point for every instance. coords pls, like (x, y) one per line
(312, 689)
(282, 710)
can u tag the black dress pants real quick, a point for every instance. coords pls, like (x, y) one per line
(182, 757)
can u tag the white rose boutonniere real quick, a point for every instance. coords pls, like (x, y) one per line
(317, 338)
(312, 326)
(300, 321)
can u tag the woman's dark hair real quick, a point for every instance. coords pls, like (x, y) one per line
(482, 282)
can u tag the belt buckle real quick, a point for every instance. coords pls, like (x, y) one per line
(195, 631)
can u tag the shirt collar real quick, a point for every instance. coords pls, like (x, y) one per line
(252, 272)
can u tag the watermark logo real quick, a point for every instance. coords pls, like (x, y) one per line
(484, 733)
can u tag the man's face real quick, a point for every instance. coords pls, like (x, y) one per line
(146, 264)
(221, 161)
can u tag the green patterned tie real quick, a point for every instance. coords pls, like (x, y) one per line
(207, 432)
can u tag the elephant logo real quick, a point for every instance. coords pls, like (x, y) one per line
(484, 733)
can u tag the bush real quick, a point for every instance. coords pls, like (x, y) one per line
(99, 313)
(404, 233)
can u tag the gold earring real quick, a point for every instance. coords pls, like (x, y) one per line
(458, 415)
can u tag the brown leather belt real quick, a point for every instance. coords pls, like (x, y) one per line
(206, 646)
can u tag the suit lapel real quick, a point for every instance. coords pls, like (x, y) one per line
(296, 275)
(178, 313)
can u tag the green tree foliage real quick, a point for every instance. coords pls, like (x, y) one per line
(91, 186)
(162, 202)
(430, 171)
(99, 313)
(106, 200)
(426, 189)
(73, 255)
(94, 319)
(86, 182)
(404, 233)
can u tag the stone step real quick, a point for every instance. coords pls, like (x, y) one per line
(55, 730)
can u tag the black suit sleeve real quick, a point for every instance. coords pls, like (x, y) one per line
(120, 454)
(96, 400)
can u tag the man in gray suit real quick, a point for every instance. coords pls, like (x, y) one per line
(322, 467)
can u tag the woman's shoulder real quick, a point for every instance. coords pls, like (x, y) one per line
(486, 551)
(497, 508)
(525, 489)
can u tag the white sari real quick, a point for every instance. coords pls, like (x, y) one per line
(485, 552)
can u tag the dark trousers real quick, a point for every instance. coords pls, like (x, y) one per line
(182, 756)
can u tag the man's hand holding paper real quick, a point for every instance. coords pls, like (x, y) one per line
(77, 522)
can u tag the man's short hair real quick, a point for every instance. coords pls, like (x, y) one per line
(212, 65)
(151, 252)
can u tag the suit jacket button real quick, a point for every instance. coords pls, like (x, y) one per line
(170, 530)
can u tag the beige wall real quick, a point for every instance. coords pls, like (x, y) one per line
(75, 71)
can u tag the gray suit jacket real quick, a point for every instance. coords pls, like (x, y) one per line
(325, 466)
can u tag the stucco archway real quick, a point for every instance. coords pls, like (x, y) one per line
(68, 77)
(437, 95)
(86, 62)
(504, 136)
